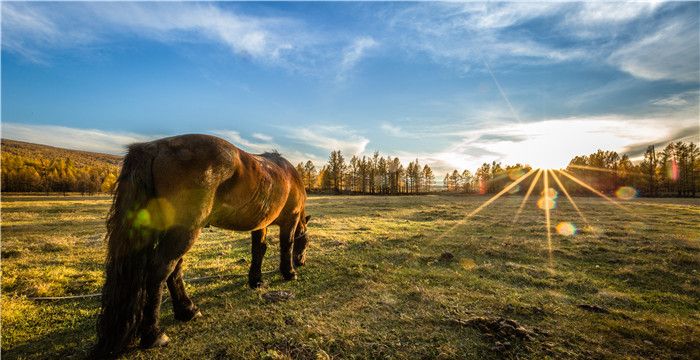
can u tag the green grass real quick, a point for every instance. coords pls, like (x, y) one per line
(375, 287)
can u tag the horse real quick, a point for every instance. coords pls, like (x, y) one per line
(167, 191)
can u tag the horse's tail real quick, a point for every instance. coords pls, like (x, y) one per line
(130, 245)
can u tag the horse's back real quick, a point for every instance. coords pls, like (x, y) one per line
(186, 172)
(203, 178)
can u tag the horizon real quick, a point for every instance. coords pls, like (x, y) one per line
(452, 85)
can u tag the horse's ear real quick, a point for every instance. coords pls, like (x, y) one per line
(306, 220)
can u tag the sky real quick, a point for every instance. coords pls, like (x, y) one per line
(450, 84)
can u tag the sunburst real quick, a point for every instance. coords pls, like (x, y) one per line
(547, 200)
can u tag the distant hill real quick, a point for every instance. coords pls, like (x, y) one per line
(28, 167)
(79, 158)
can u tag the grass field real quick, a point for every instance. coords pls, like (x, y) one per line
(385, 279)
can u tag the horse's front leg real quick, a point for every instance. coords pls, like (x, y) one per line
(286, 245)
(258, 248)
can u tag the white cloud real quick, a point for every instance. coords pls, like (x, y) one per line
(247, 145)
(294, 156)
(73, 138)
(392, 130)
(684, 99)
(31, 29)
(598, 13)
(26, 29)
(353, 53)
(671, 52)
(262, 137)
(330, 138)
(464, 35)
(258, 37)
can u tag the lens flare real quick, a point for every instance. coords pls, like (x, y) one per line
(626, 193)
(672, 171)
(566, 229)
(545, 203)
(550, 193)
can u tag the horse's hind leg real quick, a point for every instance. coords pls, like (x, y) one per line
(258, 248)
(183, 307)
(172, 246)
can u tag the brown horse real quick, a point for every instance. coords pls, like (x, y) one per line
(167, 191)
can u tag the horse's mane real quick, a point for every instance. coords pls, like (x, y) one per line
(275, 156)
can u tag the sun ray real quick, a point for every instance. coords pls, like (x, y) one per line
(527, 195)
(591, 189)
(546, 216)
(505, 190)
(566, 193)
(460, 222)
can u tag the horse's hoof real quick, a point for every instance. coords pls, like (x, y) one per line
(187, 314)
(159, 341)
(289, 276)
(255, 284)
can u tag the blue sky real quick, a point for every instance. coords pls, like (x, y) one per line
(452, 84)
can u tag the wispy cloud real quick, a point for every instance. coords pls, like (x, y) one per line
(684, 99)
(262, 137)
(353, 53)
(461, 35)
(251, 146)
(110, 142)
(330, 138)
(671, 52)
(688, 133)
(29, 28)
(392, 130)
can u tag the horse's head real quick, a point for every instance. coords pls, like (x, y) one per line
(301, 241)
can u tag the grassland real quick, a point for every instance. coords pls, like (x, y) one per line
(387, 277)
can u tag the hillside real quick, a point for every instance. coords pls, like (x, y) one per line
(28, 167)
(79, 158)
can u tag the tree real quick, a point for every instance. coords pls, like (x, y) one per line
(466, 181)
(309, 175)
(428, 177)
(649, 167)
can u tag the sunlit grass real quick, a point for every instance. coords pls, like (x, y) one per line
(375, 286)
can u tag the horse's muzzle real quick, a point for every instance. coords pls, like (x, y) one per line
(299, 259)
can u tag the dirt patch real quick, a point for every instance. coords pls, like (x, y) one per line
(446, 257)
(10, 254)
(593, 308)
(505, 334)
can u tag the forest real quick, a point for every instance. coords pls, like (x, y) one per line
(30, 167)
(671, 171)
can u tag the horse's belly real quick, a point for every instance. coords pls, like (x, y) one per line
(243, 219)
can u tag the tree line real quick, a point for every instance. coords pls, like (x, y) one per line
(672, 171)
(38, 174)
(367, 175)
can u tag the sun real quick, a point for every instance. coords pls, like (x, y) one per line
(552, 144)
